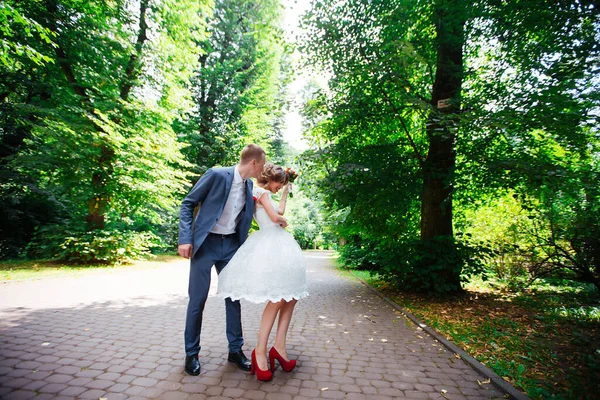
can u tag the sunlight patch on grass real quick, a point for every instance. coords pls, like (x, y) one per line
(543, 339)
(18, 270)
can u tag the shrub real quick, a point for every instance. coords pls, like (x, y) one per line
(93, 247)
(415, 265)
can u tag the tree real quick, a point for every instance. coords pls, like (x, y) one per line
(437, 94)
(239, 85)
(387, 82)
(100, 138)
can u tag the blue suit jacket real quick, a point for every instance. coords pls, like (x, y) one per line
(211, 192)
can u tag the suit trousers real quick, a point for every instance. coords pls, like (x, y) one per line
(216, 250)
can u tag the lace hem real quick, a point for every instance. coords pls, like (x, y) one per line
(263, 299)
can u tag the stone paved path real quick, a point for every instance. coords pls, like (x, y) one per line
(120, 335)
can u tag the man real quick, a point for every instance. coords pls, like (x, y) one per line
(221, 225)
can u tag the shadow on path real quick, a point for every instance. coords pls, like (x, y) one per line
(350, 344)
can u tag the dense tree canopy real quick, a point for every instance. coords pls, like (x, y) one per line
(439, 102)
(439, 116)
(239, 83)
(99, 101)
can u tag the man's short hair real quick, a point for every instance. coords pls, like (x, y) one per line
(252, 152)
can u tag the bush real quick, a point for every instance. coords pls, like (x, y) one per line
(92, 247)
(22, 209)
(437, 266)
(505, 227)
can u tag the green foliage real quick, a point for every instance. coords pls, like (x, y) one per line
(416, 265)
(520, 336)
(96, 247)
(527, 125)
(87, 126)
(17, 30)
(505, 228)
(305, 221)
(240, 85)
(101, 102)
(23, 207)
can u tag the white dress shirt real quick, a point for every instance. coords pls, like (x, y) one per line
(234, 205)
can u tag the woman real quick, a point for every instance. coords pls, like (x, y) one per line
(270, 267)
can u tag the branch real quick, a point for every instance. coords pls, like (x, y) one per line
(67, 69)
(410, 139)
(396, 111)
(133, 66)
(61, 54)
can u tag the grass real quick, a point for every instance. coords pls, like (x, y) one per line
(544, 340)
(19, 270)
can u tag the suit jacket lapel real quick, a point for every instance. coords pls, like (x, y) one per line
(228, 182)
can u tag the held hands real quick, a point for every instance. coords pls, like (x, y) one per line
(185, 250)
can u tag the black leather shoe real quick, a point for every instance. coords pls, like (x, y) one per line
(192, 365)
(240, 360)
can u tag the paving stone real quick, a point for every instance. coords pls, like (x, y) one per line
(59, 378)
(234, 393)
(73, 391)
(174, 396)
(92, 394)
(19, 373)
(214, 390)
(35, 385)
(151, 392)
(53, 388)
(22, 395)
(196, 388)
(16, 383)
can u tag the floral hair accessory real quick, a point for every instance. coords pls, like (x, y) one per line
(292, 175)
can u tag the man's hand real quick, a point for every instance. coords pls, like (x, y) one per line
(185, 250)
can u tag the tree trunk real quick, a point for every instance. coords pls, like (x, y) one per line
(438, 169)
(98, 202)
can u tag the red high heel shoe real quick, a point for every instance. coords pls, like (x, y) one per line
(261, 375)
(286, 365)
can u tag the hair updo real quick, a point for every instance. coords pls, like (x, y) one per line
(273, 173)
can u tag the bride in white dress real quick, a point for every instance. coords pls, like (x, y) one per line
(269, 267)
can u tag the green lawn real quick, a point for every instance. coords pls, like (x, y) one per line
(17, 270)
(544, 340)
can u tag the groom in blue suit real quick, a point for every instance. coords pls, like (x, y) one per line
(211, 238)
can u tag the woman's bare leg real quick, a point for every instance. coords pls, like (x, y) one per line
(266, 324)
(285, 317)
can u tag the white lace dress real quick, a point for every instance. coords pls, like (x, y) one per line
(269, 266)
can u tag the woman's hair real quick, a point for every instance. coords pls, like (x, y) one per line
(273, 172)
